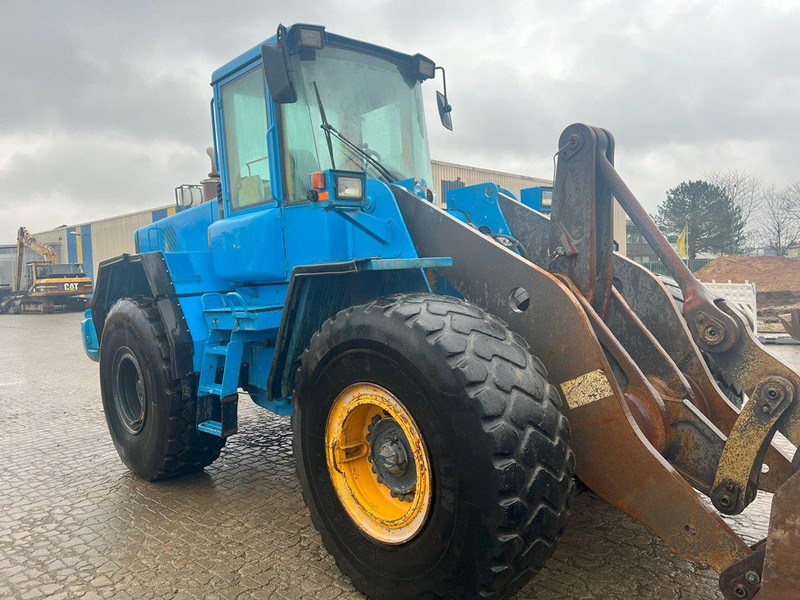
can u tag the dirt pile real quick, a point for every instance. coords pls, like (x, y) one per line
(777, 282)
(769, 273)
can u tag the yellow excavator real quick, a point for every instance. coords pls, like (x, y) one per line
(48, 285)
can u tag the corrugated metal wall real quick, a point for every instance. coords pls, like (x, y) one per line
(7, 264)
(112, 237)
(92, 243)
(445, 171)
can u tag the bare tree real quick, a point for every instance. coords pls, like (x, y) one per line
(744, 189)
(779, 219)
(793, 199)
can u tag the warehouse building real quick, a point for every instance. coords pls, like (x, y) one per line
(8, 254)
(447, 175)
(92, 242)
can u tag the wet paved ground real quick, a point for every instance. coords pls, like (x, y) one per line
(74, 523)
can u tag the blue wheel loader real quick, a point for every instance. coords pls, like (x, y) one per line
(449, 364)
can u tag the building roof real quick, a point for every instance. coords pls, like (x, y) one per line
(537, 180)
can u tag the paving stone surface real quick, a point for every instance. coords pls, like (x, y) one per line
(74, 523)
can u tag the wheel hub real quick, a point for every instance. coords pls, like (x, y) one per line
(393, 457)
(389, 454)
(128, 391)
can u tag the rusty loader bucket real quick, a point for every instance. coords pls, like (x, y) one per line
(653, 431)
(791, 323)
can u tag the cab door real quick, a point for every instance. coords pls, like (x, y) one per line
(244, 121)
(248, 243)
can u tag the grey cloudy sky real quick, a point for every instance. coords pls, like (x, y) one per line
(105, 104)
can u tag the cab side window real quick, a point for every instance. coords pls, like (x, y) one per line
(244, 113)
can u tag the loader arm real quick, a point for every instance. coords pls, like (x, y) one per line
(642, 482)
(652, 430)
(736, 452)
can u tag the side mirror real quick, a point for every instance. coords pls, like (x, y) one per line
(278, 71)
(444, 110)
(441, 102)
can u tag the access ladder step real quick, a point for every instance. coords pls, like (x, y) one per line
(218, 416)
(209, 389)
(212, 427)
(216, 350)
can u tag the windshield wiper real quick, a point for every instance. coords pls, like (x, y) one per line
(325, 125)
(330, 130)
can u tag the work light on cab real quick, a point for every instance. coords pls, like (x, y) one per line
(424, 67)
(349, 187)
(346, 187)
(309, 37)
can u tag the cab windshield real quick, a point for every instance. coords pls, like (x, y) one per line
(370, 101)
(59, 270)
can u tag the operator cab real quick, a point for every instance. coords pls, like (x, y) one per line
(331, 103)
(310, 129)
(51, 270)
(39, 271)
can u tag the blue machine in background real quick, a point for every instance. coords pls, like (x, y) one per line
(539, 198)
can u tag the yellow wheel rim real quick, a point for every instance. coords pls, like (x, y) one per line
(378, 463)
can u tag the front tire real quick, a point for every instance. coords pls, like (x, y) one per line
(151, 424)
(439, 384)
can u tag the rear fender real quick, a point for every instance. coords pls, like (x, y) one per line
(145, 275)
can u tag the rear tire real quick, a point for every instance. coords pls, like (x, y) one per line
(492, 434)
(151, 424)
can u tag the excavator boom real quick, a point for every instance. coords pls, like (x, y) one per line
(26, 239)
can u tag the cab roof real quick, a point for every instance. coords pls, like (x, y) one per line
(329, 39)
